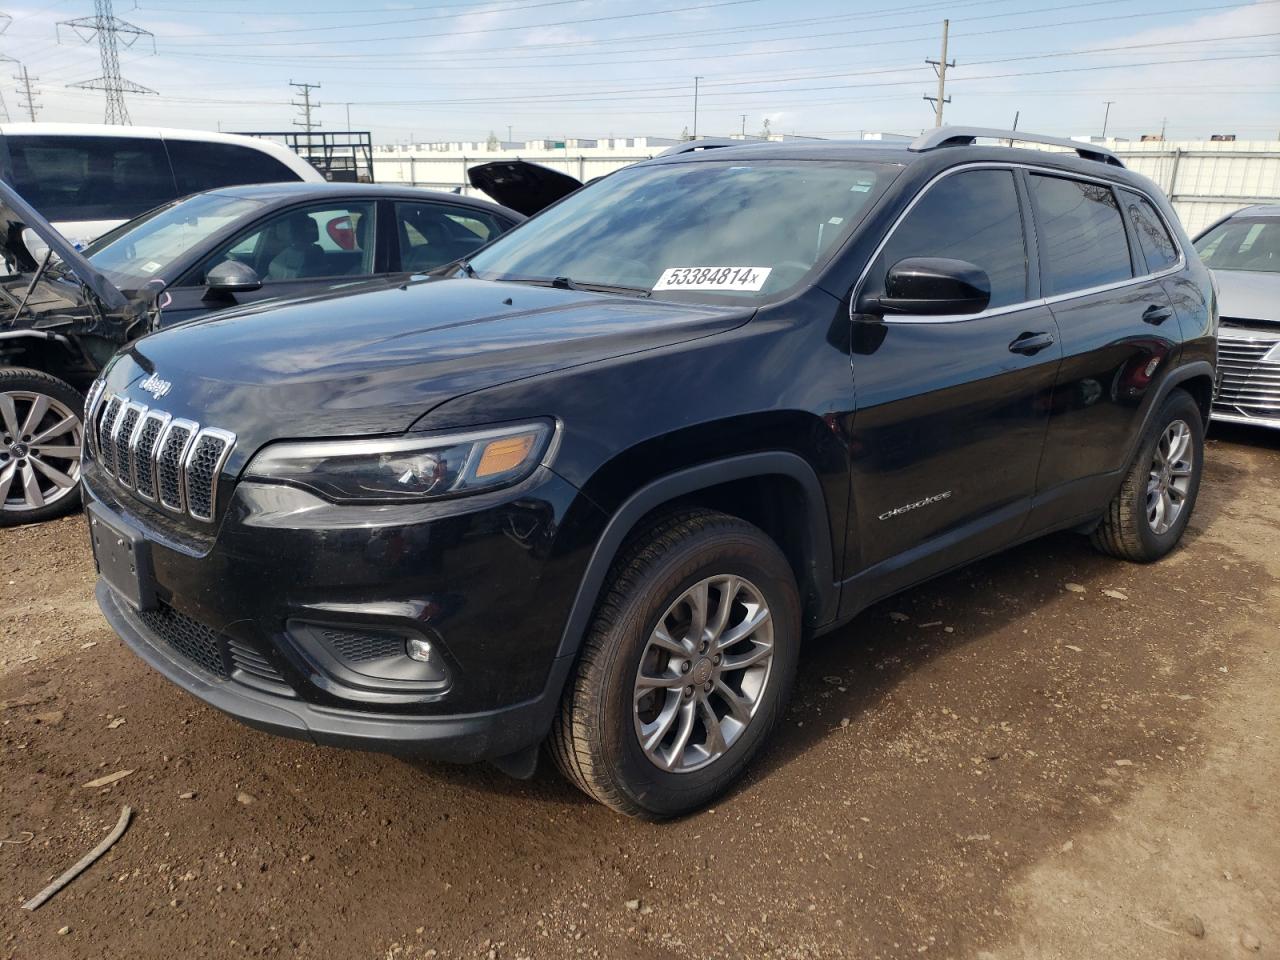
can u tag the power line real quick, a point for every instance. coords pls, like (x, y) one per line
(108, 28)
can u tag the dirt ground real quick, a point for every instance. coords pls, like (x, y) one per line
(1048, 755)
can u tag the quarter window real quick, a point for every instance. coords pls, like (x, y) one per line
(971, 216)
(1082, 238)
(1158, 248)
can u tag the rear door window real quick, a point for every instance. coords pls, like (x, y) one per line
(973, 216)
(89, 178)
(1081, 232)
(1158, 248)
(199, 165)
(433, 234)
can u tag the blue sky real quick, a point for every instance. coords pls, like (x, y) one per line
(458, 69)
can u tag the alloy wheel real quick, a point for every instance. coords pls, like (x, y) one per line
(39, 450)
(1170, 477)
(703, 673)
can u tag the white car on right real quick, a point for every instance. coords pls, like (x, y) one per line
(1243, 251)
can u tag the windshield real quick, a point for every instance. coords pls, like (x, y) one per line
(1242, 243)
(711, 229)
(133, 253)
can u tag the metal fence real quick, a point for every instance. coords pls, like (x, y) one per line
(1203, 182)
(1206, 183)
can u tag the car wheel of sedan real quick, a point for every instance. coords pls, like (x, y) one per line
(40, 431)
(1149, 514)
(685, 670)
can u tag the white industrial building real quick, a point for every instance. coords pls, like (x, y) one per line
(1205, 179)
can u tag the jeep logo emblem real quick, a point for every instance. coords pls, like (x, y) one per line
(155, 386)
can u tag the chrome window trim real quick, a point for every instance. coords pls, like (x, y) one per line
(193, 428)
(1022, 304)
(229, 441)
(152, 495)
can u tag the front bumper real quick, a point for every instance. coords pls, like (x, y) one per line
(231, 615)
(460, 738)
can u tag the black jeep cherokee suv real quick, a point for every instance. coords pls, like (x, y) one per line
(595, 486)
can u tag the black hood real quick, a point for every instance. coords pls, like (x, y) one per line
(16, 215)
(373, 364)
(524, 187)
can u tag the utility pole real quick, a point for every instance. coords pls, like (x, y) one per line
(744, 126)
(695, 107)
(306, 106)
(1106, 117)
(1164, 124)
(110, 32)
(5, 20)
(26, 97)
(509, 140)
(940, 67)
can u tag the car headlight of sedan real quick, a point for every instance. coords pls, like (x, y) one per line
(401, 469)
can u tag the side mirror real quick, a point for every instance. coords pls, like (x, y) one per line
(931, 287)
(230, 277)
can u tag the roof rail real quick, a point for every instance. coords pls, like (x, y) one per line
(708, 143)
(965, 136)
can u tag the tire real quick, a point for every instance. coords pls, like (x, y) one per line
(1130, 529)
(33, 481)
(596, 739)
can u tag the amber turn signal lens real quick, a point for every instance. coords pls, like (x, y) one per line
(505, 454)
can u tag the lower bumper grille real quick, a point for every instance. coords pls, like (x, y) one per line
(1248, 373)
(212, 651)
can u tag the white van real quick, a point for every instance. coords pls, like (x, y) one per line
(86, 178)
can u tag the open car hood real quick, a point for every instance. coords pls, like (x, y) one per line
(523, 186)
(16, 215)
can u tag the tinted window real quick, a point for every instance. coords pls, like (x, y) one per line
(697, 229)
(204, 166)
(432, 234)
(1242, 243)
(1082, 238)
(1158, 249)
(89, 178)
(971, 216)
(305, 243)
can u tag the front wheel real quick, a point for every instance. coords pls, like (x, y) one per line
(1147, 517)
(40, 432)
(686, 668)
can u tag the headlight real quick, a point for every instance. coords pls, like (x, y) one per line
(418, 468)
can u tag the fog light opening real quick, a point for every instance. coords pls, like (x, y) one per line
(418, 648)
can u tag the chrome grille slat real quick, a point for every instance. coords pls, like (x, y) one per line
(169, 461)
(1248, 384)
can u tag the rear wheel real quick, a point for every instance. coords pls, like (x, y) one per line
(685, 670)
(40, 432)
(1150, 512)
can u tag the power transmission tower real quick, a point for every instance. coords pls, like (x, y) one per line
(940, 67)
(306, 106)
(26, 96)
(110, 32)
(1106, 117)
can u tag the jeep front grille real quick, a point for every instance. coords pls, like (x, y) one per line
(162, 459)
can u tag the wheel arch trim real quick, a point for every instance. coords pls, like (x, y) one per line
(682, 483)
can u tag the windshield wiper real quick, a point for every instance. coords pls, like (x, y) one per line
(591, 286)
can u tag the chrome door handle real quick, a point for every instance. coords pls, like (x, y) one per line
(1031, 343)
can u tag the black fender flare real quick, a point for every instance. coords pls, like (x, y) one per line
(1176, 377)
(683, 482)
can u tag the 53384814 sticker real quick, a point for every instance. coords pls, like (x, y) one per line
(713, 278)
